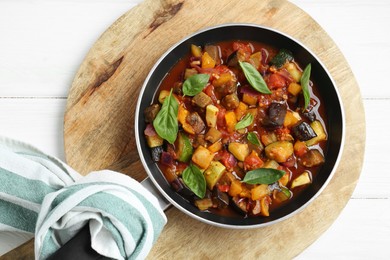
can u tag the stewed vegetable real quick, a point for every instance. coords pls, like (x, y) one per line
(237, 127)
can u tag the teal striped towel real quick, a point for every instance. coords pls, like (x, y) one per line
(40, 194)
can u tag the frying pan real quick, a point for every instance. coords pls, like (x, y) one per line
(327, 90)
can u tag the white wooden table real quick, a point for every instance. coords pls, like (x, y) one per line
(42, 43)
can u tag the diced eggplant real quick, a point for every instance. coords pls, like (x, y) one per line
(199, 140)
(312, 158)
(196, 122)
(179, 186)
(220, 198)
(309, 115)
(151, 112)
(166, 158)
(202, 100)
(275, 116)
(232, 60)
(231, 101)
(303, 131)
(156, 153)
(318, 128)
(240, 204)
(178, 88)
(214, 52)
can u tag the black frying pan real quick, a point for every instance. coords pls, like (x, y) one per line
(327, 89)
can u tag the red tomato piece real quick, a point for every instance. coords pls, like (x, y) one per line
(253, 161)
(224, 187)
(276, 81)
(228, 160)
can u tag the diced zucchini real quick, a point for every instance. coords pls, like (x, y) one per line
(213, 173)
(189, 73)
(312, 158)
(211, 115)
(196, 51)
(269, 138)
(320, 132)
(291, 118)
(184, 148)
(302, 179)
(202, 157)
(202, 100)
(163, 94)
(279, 151)
(282, 57)
(213, 135)
(294, 88)
(271, 164)
(154, 141)
(260, 191)
(294, 71)
(204, 204)
(240, 151)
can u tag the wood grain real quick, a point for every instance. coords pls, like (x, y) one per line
(99, 118)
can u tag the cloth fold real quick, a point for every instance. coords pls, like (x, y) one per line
(42, 195)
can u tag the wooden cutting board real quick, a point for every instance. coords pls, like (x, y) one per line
(99, 119)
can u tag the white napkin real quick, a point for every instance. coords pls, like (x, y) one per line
(42, 195)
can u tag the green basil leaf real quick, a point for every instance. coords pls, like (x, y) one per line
(254, 78)
(263, 176)
(246, 121)
(252, 137)
(195, 84)
(165, 123)
(305, 79)
(195, 180)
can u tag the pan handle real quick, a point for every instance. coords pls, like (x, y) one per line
(149, 185)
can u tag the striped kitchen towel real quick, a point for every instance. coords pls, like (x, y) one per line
(40, 194)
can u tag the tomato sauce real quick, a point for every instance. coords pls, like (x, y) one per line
(304, 157)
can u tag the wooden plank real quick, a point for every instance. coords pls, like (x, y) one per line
(108, 83)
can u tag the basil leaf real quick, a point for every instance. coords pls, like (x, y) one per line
(246, 121)
(195, 180)
(165, 123)
(263, 176)
(252, 137)
(254, 78)
(305, 85)
(195, 84)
